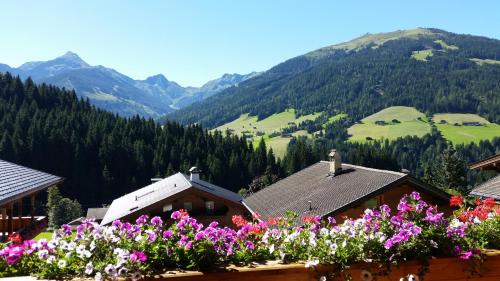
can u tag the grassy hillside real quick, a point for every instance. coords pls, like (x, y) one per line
(453, 129)
(256, 129)
(399, 121)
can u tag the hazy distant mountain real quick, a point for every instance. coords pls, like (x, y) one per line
(212, 87)
(116, 92)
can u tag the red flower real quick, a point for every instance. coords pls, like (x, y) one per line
(311, 219)
(490, 202)
(15, 238)
(239, 221)
(272, 221)
(456, 201)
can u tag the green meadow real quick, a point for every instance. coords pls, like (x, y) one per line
(409, 124)
(454, 130)
(249, 125)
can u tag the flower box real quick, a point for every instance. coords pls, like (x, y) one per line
(439, 269)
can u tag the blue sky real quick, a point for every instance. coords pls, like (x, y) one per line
(191, 42)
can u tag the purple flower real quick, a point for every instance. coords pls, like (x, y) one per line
(200, 235)
(117, 223)
(156, 221)
(66, 229)
(249, 245)
(138, 256)
(331, 221)
(167, 234)
(142, 220)
(466, 255)
(415, 196)
(176, 215)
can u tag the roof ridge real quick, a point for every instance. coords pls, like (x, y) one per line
(371, 169)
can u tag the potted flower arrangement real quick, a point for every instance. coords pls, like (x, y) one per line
(406, 243)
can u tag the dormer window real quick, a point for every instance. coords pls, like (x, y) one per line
(210, 207)
(167, 208)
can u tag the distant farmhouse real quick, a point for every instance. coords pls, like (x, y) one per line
(474, 123)
(19, 187)
(490, 188)
(331, 188)
(204, 201)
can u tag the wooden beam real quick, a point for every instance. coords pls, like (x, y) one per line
(11, 217)
(20, 212)
(32, 207)
(4, 223)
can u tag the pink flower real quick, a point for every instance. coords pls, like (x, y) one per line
(138, 256)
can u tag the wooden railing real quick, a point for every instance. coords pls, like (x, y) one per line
(439, 269)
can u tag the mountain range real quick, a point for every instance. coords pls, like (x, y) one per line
(118, 93)
(430, 69)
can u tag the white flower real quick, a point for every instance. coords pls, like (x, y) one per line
(98, 276)
(322, 278)
(476, 220)
(110, 269)
(311, 263)
(271, 248)
(43, 254)
(122, 271)
(52, 244)
(87, 254)
(61, 264)
(324, 231)
(89, 268)
(92, 245)
(51, 259)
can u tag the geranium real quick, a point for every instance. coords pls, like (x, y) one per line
(456, 201)
(238, 220)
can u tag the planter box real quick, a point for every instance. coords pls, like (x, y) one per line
(439, 270)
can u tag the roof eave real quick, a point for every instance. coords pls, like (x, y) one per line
(25, 193)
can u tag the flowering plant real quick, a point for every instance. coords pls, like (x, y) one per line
(132, 250)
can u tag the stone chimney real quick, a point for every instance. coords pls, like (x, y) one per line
(195, 174)
(335, 162)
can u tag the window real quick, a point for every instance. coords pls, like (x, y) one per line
(188, 206)
(209, 206)
(167, 208)
(372, 203)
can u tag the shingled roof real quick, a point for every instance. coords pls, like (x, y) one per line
(327, 193)
(148, 195)
(17, 181)
(489, 188)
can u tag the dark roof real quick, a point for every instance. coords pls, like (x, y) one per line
(136, 201)
(327, 194)
(96, 213)
(17, 181)
(490, 163)
(489, 188)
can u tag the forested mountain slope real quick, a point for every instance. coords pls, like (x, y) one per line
(432, 70)
(103, 156)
